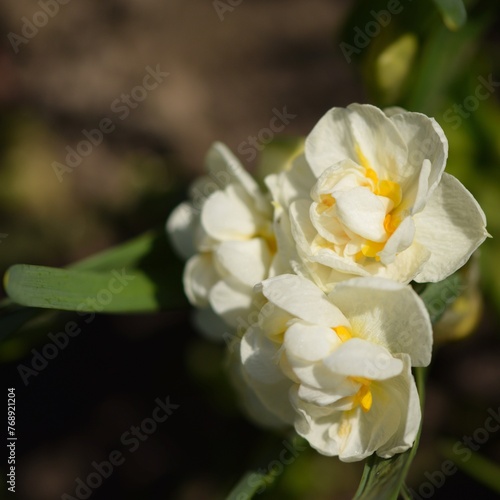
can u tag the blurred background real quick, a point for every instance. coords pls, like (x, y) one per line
(153, 84)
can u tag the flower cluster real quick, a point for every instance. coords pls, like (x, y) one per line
(312, 274)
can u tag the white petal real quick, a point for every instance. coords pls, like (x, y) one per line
(378, 140)
(387, 313)
(347, 133)
(341, 176)
(228, 215)
(231, 302)
(321, 397)
(250, 401)
(225, 168)
(247, 261)
(261, 371)
(198, 278)
(313, 423)
(405, 267)
(418, 193)
(451, 226)
(402, 390)
(305, 234)
(358, 358)
(362, 212)
(180, 229)
(292, 184)
(303, 299)
(330, 141)
(425, 140)
(309, 342)
(398, 242)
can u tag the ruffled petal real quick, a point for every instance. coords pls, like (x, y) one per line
(228, 215)
(388, 314)
(260, 359)
(180, 228)
(198, 278)
(247, 261)
(362, 212)
(425, 140)
(399, 241)
(359, 358)
(403, 392)
(303, 299)
(309, 342)
(451, 226)
(231, 302)
(226, 169)
(362, 133)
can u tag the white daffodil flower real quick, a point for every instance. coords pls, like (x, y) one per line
(338, 366)
(226, 235)
(372, 200)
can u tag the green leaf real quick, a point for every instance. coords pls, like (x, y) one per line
(140, 276)
(118, 291)
(453, 13)
(439, 296)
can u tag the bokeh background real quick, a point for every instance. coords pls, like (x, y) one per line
(229, 65)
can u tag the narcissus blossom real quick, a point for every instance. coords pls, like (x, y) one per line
(337, 366)
(225, 233)
(370, 199)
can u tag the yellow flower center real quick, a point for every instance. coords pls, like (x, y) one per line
(388, 189)
(364, 396)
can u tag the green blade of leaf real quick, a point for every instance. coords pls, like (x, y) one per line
(154, 284)
(453, 13)
(116, 291)
(438, 296)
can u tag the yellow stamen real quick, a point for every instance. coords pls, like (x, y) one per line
(365, 398)
(372, 248)
(326, 201)
(343, 333)
(391, 223)
(391, 190)
(364, 395)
